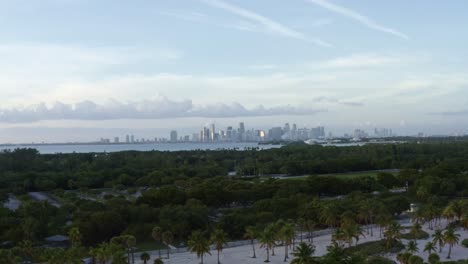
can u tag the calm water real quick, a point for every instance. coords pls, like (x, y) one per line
(50, 149)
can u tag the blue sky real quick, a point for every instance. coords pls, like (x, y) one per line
(344, 64)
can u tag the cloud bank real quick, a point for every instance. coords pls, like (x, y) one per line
(158, 108)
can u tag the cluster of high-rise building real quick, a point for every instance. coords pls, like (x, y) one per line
(209, 134)
(241, 134)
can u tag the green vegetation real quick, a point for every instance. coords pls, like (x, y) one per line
(377, 248)
(111, 203)
(465, 243)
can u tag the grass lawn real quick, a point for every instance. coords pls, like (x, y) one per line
(149, 246)
(343, 175)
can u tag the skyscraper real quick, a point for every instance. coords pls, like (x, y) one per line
(212, 132)
(173, 136)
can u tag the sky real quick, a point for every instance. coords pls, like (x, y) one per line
(77, 70)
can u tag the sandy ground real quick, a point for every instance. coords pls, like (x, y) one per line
(242, 254)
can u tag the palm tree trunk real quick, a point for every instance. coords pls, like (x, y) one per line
(159, 252)
(128, 256)
(450, 251)
(253, 248)
(218, 258)
(202, 258)
(273, 250)
(285, 252)
(268, 255)
(168, 251)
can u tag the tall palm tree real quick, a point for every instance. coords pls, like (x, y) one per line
(131, 243)
(303, 254)
(156, 233)
(102, 253)
(301, 226)
(438, 238)
(329, 216)
(251, 234)
(392, 234)
(429, 247)
(309, 226)
(267, 240)
(451, 238)
(167, 238)
(276, 227)
(145, 257)
(287, 235)
(127, 242)
(219, 239)
(74, 237)
(412, 247)
(198, 244)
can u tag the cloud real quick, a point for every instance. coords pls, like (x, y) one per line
(332, 100)
(359, 61)
(451, 113)
(182, 15)
(368, 22)
(158, 108)
(268, 24)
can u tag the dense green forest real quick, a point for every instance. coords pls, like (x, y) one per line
(112, 196)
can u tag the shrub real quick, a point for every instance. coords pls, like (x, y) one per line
(465, 243)
(415, 260)
(415, 236)
(376, 248)
(379, 260)
(433, 258)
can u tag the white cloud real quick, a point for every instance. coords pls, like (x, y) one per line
(160, 107)
(359, 61)
(358, 17)
(183, 15)
(268, 24)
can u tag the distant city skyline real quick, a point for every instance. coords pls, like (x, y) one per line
(73, 70)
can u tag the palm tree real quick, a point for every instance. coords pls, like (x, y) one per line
(267, 240)
(392, 234)
(416, 229)
(429, 247)
(128, 242)
(75, 237)
(303, 254)
(167, 238)
(300, 226)
(412, 247)
(329, 216)
(198, 244)
(102, 253)
(309, 225)
(157, 236)
(251, 234)
(218, 238)
(131, 243)
(451, 238)
(339, 237)
(144, 257)
(438, 238)
(287, 235)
